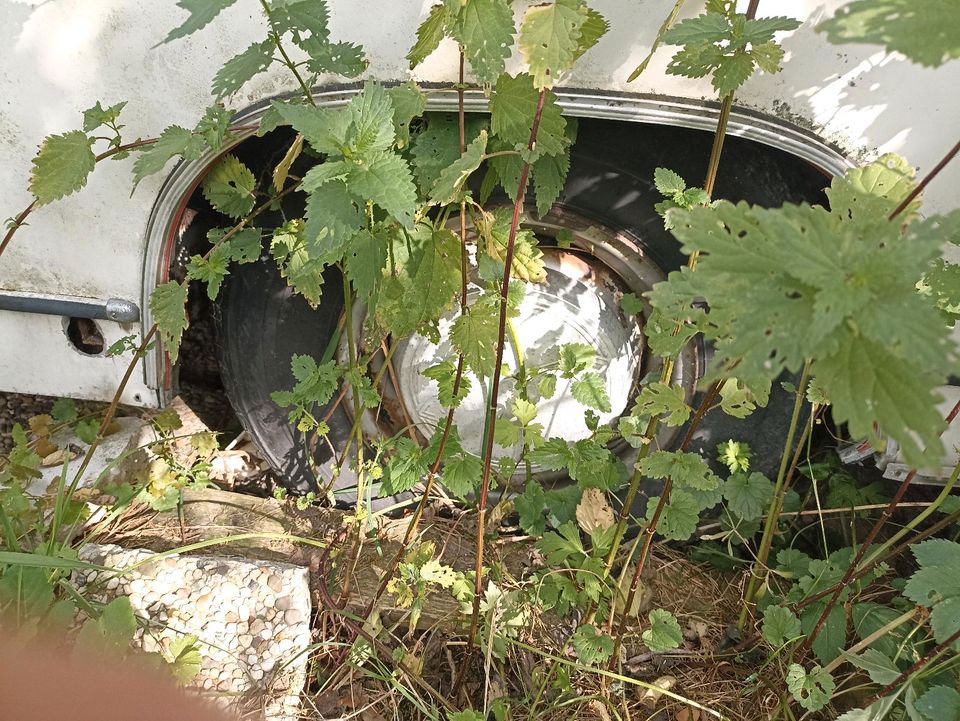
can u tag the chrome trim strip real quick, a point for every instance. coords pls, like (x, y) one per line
(656, 110)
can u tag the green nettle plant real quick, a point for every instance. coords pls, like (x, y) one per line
(852, 301)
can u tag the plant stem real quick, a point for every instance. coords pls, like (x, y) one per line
(926, 180)
(937, 650)
(861, 551)
(773, 512)
(286, 58)
(879, 633)
(491, 417)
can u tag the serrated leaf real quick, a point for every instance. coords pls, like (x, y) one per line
(667, 182)
(168, 306)
(761, 30)
(592, 646)
(331, 219)
(706, 28)
(64, 410)
(211, 270)
(449, 184)
(590, 389)
(405, 469)
(61, 166)
(346, 59)
(593, 28)
(300, 17)
(429, 34)
(202, 13)
(438, 146)
(474, 335)
(461, 474)
(550, 38)
(185, 659)
(408, 102)
(811, 690)
(96, 116)
(664, 633)
(680, 515)
(684, 468)
(364, 261)
(575, 357)
(549, 174)
(386, 180)
(445, 374)
(664, 401)
(936, 585)
(303, 273)
(173, 141)
(930, 37)
(513, 106)
(372, 130)
(530, 505)
(768, 57)
(484, 28)
(229, 187)
(748, 495)
(865, 193)
(780, 625)
(939, 703)
(325, 129)
(881, 669)
(241, 68)
(732, 72)
(494, 229)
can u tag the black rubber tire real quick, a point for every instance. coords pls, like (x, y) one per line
(261, 323)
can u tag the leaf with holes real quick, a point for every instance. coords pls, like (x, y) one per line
(811, 690)
(592, 646)
(664, 401)
(229, 187)
(61, 166)
(550, 39)
(484, 28)
(241, 68)
(364, 262)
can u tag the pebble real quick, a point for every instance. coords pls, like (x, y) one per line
(248, 617)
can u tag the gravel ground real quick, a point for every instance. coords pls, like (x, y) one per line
(21, 407)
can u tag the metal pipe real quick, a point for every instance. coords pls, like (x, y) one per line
(115, 309)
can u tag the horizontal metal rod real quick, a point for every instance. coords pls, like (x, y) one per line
(119, 311)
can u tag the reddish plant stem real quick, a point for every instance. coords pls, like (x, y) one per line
(861, 551)
(922, 663)
(651, 528)
(893, 553)
(926, 180)
(494, 393)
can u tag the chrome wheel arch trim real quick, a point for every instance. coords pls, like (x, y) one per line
(625, 107)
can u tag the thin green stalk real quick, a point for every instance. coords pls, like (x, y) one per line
(773, 512)
(286, 59)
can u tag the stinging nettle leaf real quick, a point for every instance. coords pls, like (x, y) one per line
(241, 68)
(96, 116)
(513, 106)
(168, 305)
(61, 166)
(173, 141)
(452, 178)
(485, 30)
(590, 389)
(202, 13)
(229, 187)
(475, 335)
(429, 35)
(550, 39)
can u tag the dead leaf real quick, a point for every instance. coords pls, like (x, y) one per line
(688, 713)
(56, 457)
(642, 599)
(596, 709)
(650, 696)
(593, 511)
